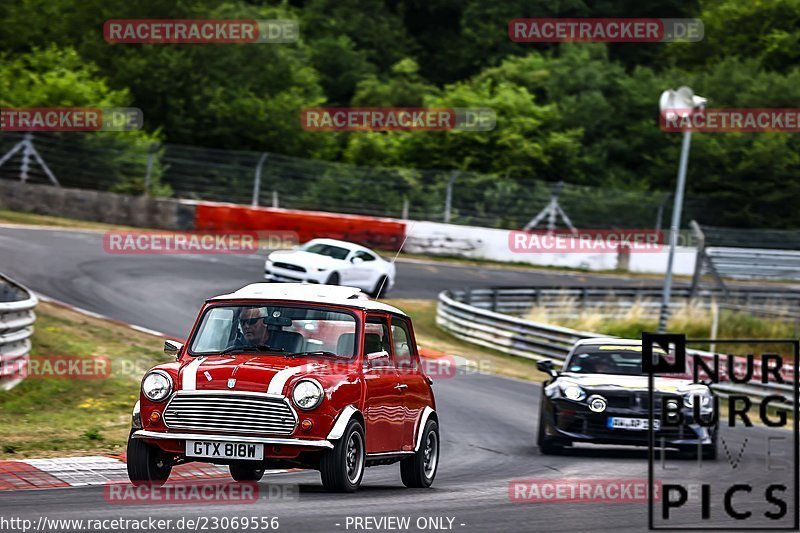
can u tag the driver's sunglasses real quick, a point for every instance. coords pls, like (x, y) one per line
(250, 321)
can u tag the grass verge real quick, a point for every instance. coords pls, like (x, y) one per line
(32, 219)
(62, 417)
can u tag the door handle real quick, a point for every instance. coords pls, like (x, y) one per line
(401, 386)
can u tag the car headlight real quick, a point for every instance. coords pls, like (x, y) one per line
(705, 399)
(157, 385)
(318, 269)
(573, 392)
(307, 394)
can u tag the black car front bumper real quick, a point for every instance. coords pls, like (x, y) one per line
(572, 421)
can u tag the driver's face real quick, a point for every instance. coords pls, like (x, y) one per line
(602, 366)
(253, 326)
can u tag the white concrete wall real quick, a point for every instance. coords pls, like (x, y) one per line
(475, 242)
(683, 264)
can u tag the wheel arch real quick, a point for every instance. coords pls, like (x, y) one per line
(427, 414)
(348, 413)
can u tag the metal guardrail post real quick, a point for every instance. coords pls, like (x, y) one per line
(701, 251)
(16, 327)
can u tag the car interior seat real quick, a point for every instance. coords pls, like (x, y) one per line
(345, 346)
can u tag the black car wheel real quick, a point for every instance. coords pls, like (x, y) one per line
(342, 468)
(419, 470)
(333, 279)
(246, 473)
(147, 465)
(546, 445)
(380, 287)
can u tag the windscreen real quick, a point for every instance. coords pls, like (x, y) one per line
(275, 330)
(337, 252)
(607, 359)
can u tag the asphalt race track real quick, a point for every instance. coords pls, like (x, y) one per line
(488, 423)
(73, 267)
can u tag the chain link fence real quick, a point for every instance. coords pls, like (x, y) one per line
(113, 163)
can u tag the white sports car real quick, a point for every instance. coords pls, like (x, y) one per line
(332, 262)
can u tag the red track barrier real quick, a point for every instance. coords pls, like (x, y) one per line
(386, 234)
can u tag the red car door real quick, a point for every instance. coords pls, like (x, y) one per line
(384, 414)
(410, 376)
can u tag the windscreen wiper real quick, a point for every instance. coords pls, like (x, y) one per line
(256, 348)
(316, 352)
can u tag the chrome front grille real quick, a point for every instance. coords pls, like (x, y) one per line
(288, 266)
(230, 412)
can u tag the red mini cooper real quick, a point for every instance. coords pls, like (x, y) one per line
(287, 376)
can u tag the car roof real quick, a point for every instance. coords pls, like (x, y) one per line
(343, 244)
(304, 292)
(596, 341)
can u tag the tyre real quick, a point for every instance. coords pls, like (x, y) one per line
(342, 468)
(147, 465)
(380, 287)
(710, 452)
(246, 473)
(419, 470)
(546, 446)
(333, 279)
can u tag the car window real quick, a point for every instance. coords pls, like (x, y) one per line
(329, 250)
(376, 339)
(401, 342)
(607, 359)
(287, 329)
(364, 256)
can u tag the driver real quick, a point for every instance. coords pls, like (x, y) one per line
(253, 323)
(602, 365)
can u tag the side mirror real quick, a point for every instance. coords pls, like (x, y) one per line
(172, 348)
(378, 359)
(356, 260)
(546, 366)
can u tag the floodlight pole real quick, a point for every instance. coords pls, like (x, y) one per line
(673, 232)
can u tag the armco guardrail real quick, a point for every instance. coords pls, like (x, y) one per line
(537, 340)
(615, 301)
(16, 327)
(746, 263)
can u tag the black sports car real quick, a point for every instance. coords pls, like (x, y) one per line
(600, 396)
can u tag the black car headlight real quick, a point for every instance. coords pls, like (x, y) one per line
(307, 394)
(157, 386)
